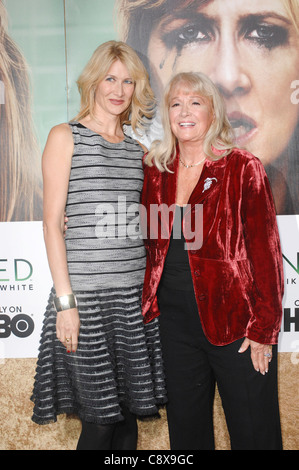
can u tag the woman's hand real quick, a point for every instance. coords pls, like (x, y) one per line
(67, 328)
(261, 354)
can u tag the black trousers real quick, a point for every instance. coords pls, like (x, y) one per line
(193, 367)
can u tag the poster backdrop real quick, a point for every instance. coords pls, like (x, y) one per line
(251, 51)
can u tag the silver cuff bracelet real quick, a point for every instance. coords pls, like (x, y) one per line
(65, 302)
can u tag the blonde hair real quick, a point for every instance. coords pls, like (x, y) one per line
(292, 9)
(219, 136)
(143, 101)
(128, 11)
(20, 176)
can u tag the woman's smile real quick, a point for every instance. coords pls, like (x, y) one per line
(187, 124)
(116, 102)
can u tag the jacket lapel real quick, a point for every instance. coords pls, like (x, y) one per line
(170, 185)
(210, 179)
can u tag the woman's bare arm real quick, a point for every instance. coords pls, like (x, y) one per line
(56, 166)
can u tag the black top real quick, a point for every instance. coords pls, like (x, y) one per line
(176, 273)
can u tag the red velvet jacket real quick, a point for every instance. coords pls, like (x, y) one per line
(237, 272)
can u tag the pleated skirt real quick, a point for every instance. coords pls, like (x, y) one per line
(118, 361)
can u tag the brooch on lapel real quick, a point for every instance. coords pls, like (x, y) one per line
(208, 183)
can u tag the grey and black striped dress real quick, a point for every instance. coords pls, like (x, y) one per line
(119, 359)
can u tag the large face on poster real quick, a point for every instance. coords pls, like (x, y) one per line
(251, 51)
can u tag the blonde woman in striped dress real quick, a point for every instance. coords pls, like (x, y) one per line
(97, 359)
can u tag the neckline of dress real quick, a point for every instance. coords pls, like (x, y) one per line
(100, 135)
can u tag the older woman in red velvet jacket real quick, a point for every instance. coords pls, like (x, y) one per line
(214, 272)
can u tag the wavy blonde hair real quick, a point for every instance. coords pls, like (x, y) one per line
(292, 9)
(142, 106)
(20, 175)
(219, 136)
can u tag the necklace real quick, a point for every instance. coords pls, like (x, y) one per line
(191, 166)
